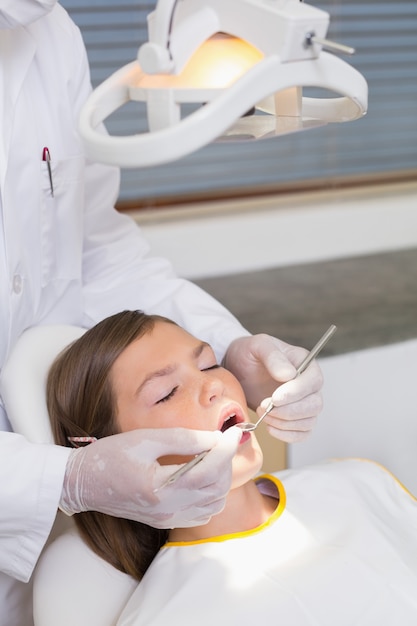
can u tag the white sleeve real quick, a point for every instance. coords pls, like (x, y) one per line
(31, 477)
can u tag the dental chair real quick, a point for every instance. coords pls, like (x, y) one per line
(98, 591)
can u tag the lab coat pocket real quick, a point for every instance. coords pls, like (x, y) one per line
(62, 219)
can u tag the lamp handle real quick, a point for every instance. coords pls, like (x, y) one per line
(212, 120)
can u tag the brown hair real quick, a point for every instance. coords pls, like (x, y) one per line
(81, 403)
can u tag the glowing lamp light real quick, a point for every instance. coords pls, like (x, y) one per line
(216, 64)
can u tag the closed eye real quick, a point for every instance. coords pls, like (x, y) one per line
(212, 367)
(168, 396)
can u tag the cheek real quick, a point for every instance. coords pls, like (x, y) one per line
(131, 418)
(234, 388)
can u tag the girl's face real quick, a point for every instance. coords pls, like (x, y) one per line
(168, 378)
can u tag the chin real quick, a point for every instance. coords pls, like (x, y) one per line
(247, 462)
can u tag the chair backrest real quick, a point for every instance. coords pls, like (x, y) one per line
(23, 378)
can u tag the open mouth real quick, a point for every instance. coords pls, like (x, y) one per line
(229, 422)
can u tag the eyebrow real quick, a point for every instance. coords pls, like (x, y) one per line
(165, 371)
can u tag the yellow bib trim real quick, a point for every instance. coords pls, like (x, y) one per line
(275, 515)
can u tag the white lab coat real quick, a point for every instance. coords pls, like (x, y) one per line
(69, 258)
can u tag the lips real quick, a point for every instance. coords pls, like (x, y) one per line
(230, 417)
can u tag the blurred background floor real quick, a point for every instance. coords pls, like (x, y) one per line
(371, 299)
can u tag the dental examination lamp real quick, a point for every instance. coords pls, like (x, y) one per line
(244, 62)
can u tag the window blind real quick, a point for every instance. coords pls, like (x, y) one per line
(384, 142)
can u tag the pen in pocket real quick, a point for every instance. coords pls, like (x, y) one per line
(46, 156)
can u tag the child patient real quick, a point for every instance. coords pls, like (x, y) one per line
(329, 544)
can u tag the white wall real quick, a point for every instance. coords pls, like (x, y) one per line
(370, 411)
(238, 236)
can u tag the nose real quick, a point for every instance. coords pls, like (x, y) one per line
(211, 390)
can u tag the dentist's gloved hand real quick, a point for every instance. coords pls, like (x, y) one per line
(117, 475)
(265, 367)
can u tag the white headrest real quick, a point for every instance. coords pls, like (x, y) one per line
(23, 378)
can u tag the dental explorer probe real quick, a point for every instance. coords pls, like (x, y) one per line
(249, 426)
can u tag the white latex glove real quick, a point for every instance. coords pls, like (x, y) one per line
(265, 367)
(117, 475)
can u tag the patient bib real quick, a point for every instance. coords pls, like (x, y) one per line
(342, 551)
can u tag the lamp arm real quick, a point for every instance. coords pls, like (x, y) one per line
(162, 17)
(155, 55)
